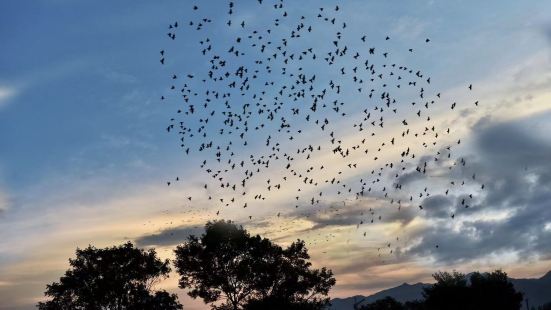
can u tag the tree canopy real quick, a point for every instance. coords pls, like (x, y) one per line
(230, 269)
(119, 277)
(387, 303)
(479, 291)
(494, 291)
(454, 290)
(450, 289)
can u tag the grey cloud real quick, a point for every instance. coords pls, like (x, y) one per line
(409, 177)
(511, 141)
(513, 161)
(3, 202)
(437, 206)
(515, 166)
(344, 216)
(177, 235)
(170, 236)
(361, 210)
(546, 30)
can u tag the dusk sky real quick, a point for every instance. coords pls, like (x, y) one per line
(85, 155)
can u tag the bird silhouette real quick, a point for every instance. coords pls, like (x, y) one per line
(253, 108)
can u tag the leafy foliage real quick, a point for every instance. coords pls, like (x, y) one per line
(481, 291)
(387, 303)
(449, 290)
(546, 306)
(494, 291)
(231, 269)
(120, 277)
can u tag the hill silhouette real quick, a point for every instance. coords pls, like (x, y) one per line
(536, 291)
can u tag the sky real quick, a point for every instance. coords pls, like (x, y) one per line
(85, 154)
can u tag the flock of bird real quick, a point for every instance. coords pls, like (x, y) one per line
(305, 106)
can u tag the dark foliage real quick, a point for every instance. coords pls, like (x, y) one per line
(546, 306)
(494, 291)
(415, 305)
(387, 303)
(450, 290)
(119, 277)
(481, 291)
(455, 291)
(274, 303)
(231, 269)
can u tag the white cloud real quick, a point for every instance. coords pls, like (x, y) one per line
(409, 28)
(6, 93)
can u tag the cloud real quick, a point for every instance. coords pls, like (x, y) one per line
(506, 224)
(118, 77)
(357, 212)
(169, 237)
(5, 200)
(409, 28)
(546, 30)
(6, 93)
(437, 206)
(509, 217)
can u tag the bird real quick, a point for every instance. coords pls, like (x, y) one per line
(249, 106)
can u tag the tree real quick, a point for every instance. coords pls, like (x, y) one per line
(494, 291)
(546, 306)
(415, 305)
(278, 303)
(119, 277)
(481, 291)
(449, 292)
(387, 303)
(230, 269)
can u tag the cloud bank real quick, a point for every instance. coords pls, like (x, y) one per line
(512, 215)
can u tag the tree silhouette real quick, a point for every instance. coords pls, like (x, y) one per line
(494, 291)
(278, 303)
(546, 306)
(415, 305)
(231, 269)
(119, 277)
(387, 303)
(449, 292)
(480, 291)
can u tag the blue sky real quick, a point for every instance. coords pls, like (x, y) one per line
(84, 154)
(83, 73)
(106, 74)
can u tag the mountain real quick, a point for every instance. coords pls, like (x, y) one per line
(402, 293)
(536, 291)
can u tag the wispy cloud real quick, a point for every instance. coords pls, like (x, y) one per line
(170, 236)
(6, 93)
(409, 27)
